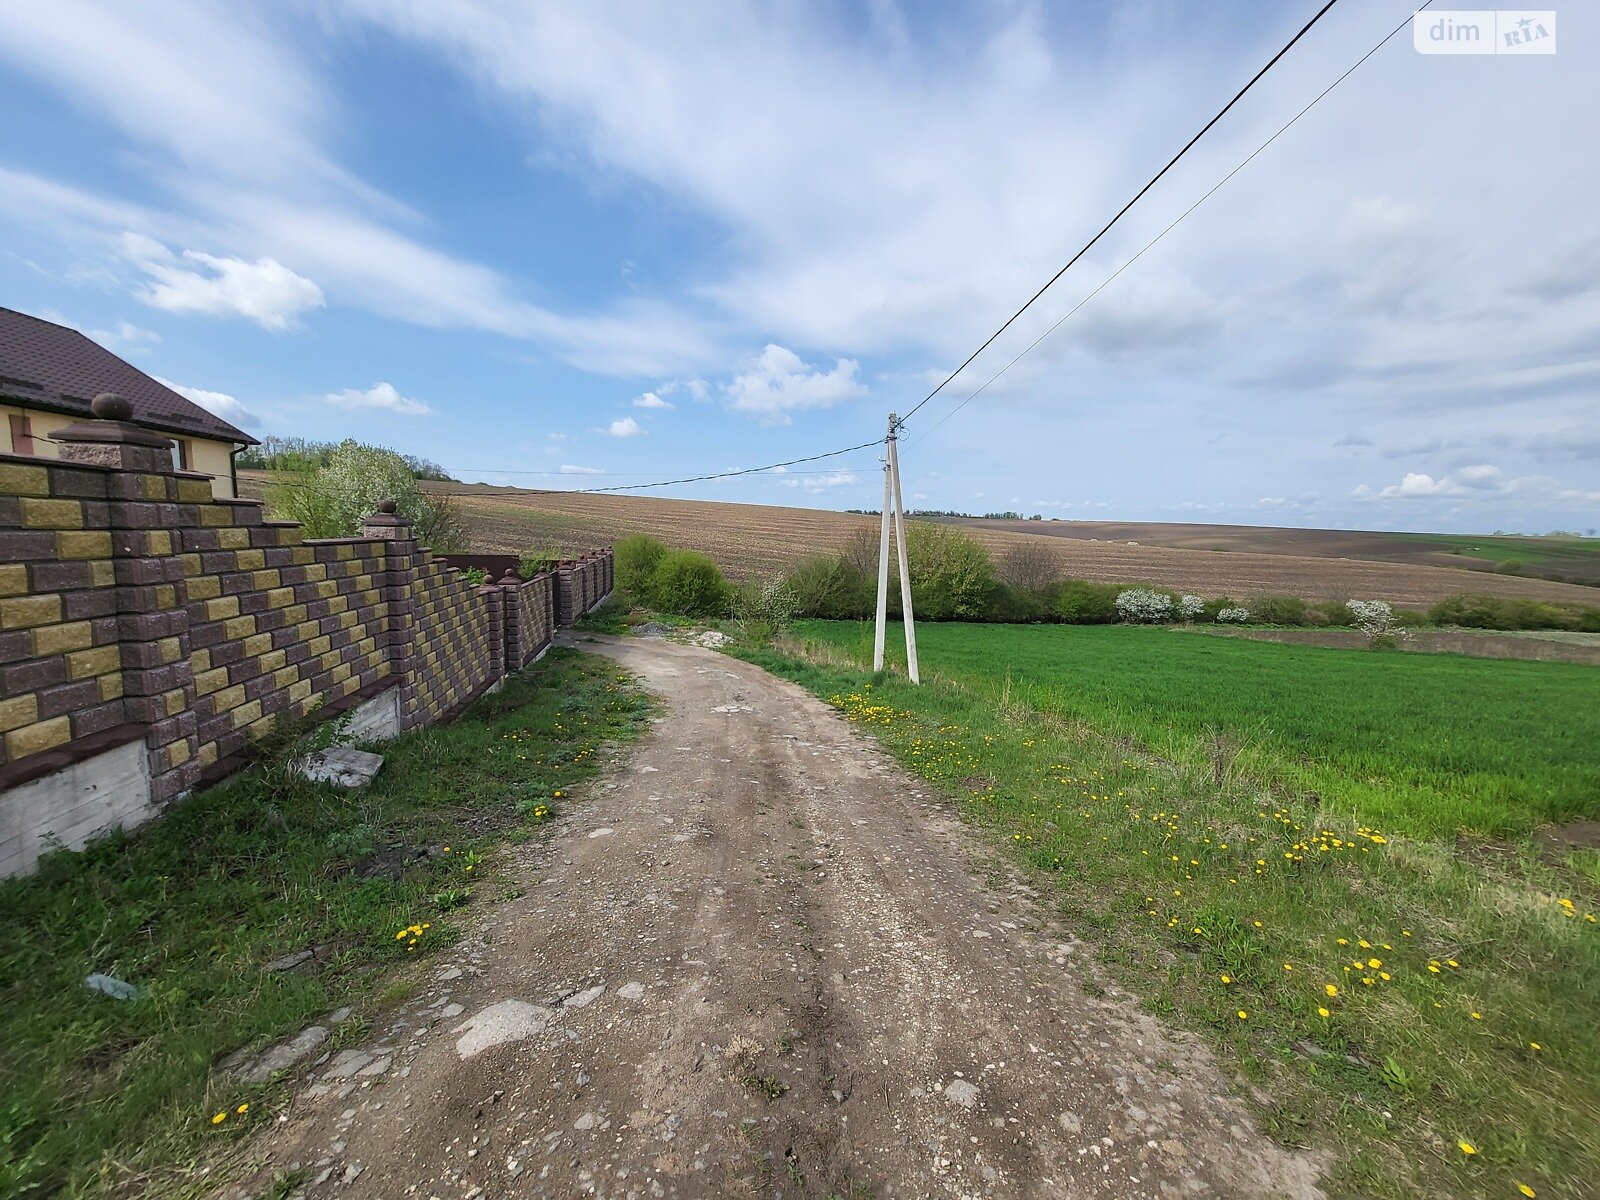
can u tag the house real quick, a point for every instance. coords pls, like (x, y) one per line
(49, 374)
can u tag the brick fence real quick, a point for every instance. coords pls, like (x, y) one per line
(148, 632)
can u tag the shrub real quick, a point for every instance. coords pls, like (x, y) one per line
(533, 562)
(1144, 606)
(1509, 612)
(1333, 612)
(332, 494)
(764, 609)
(951, 573)
(1018, 606)
(1189, 607)
(1378, 621)
(634, 562)
(476, 576)
(1235, 615)
(1029, 567)
(1278, 610)
(1080, 602)
(689, 584)
(832, 588)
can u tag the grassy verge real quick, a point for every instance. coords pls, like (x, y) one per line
(1423, 1008)
(120, 1097)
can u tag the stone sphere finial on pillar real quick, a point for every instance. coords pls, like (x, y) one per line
(388, 506)
(511, 576)
(108, 406)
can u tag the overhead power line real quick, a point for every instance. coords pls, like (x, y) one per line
(630, 487)
(1106, 282)
(1156, 178)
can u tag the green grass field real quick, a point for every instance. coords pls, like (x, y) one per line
(1574, 559)
(1416, 1000)
(109, 1097)
(1423, 744)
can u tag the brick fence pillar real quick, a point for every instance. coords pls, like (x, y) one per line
(400, 561)
(150, 505)
(516, 631)
(565, 593)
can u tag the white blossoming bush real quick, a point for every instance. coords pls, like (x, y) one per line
(1377, 620)
(1142, 606)
(1190, 607)
(1233, 616)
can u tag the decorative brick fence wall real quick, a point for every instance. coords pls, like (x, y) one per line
(149, 631)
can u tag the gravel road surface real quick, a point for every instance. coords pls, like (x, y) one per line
(759, 959)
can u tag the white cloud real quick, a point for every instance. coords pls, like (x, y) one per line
(1419, 483)
(380, 396)
(624, 427)
(820, 483)
(568, 469)
(218, 403)
(265, 290)
(1483, 476)
(126, 338)
(1479, 477)
(696, 388)
(651, 400)
(777, 383)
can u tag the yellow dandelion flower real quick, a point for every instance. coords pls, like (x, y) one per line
(1374, 963)
(1243, 1016)
(1535, 1047)
(242, 1109)
(1322, 1012)
(220, 1118)
(1331, 989)
(1226, 978)
(1467, 1148)
(1288, 966)
(1477, 1016)
(1526, 1190)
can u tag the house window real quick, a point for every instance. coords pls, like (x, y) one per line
(21, 434)
(181, 458)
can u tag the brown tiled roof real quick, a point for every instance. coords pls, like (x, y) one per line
(43, 365)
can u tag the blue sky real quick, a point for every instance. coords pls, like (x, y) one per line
(592, 244)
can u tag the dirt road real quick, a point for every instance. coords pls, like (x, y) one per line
(761, 960)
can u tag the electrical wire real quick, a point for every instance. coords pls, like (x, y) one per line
(1176, 222)
(629, 487)
(1156, 178)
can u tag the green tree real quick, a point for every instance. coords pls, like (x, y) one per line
(688, 583)
(634, 561)
(951, 573)
(831, 587)
(331, 497)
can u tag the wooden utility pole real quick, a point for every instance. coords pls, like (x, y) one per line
(892, 496)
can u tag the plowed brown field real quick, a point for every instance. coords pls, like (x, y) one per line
(751, 540)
